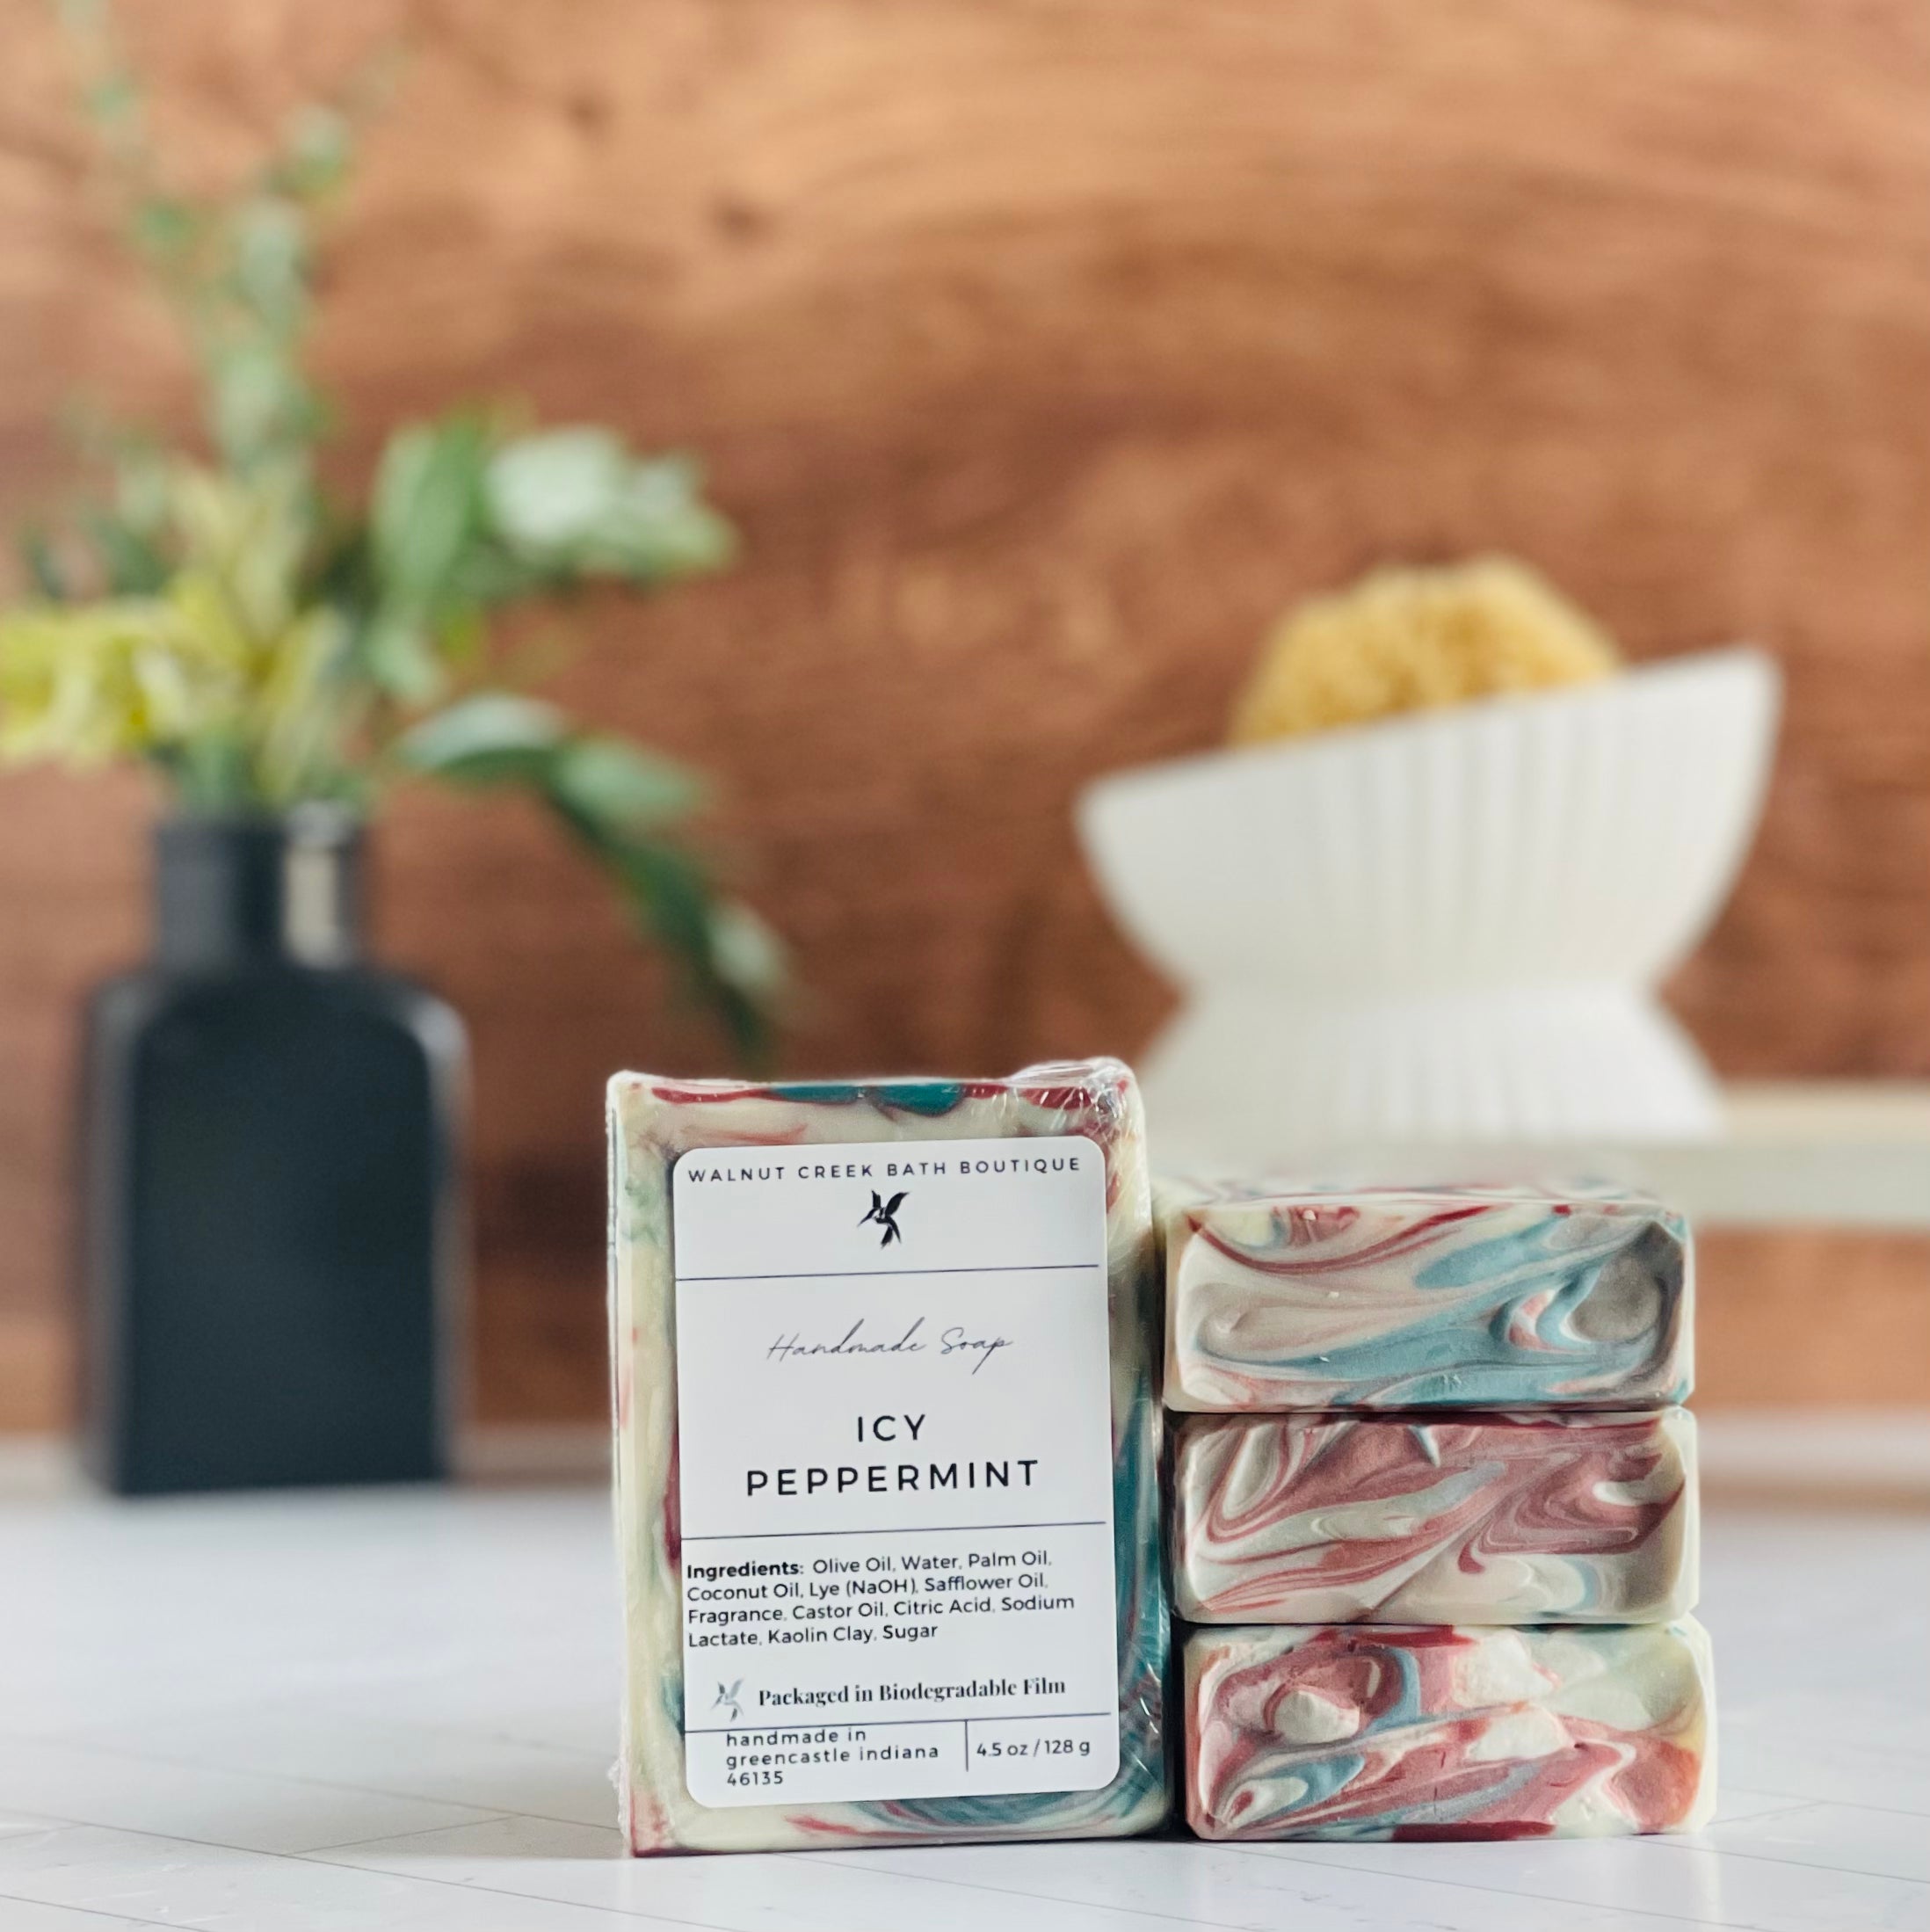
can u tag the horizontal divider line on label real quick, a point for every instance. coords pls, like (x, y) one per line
(886, 1274)
(885, 1723)
(915, 1530)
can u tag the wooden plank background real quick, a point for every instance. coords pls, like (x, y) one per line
(1044, 349)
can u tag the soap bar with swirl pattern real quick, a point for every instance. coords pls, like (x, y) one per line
(886, 1313)
(1561, 1517)
(1464, 1298)
(1347, 1733)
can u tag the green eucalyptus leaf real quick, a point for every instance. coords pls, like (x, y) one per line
(270, 259)
(618, 785)
(259, 401)
(663, 527)
(550, 490)
(212, 774)
(42, 565)
(132, 566)
(317, 149)
(731, 960)
(576, 504)
(143, 486)
(167, 228)
(490, 576)
(493, 737)
(113, 99)
(671, 894)
(745, 953)
(426, 509)
(400, 657)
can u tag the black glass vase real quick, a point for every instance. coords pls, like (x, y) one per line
(270, 1234)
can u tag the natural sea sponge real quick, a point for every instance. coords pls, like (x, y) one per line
(1412, 639)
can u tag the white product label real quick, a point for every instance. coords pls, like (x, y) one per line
(894, 1436)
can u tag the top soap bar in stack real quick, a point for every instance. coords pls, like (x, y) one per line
(1281, 1297)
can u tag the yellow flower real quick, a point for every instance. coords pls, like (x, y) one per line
(224, 651)
(100, 681)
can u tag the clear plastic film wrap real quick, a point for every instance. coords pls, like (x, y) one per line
(653, 1123)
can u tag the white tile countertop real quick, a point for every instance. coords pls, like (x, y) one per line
(397, 1709)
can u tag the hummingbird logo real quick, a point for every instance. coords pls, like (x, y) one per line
(727, 1700)
(885, 1213)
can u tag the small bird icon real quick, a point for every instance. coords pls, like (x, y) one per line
(885, 1213)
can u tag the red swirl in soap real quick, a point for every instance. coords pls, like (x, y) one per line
(1286, 1299)
(1481, 1519)
(1447, 1733)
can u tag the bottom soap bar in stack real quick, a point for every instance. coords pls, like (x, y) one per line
(1355, 1732)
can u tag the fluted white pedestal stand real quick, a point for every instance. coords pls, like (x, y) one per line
(1444, 928)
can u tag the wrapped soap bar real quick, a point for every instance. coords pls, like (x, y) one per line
(887, 1444)
(1448, 1733)
(1460, 1298)
(1566, 1516)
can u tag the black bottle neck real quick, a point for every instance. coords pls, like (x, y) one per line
(242, 891)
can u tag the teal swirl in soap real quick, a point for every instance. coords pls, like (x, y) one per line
(1554, 1516)
(1448, 1731)
(926, 1097)
(1444, 1299)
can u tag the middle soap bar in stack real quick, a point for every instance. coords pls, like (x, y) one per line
(1564, 1517)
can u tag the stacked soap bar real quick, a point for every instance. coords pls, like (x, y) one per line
(1561, 1517)
(1448, 1733)
(1508, 1298)
(1445, 1411)
(865, 1358)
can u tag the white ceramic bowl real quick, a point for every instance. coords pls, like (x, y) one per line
(1575, 840)
(1582, 834)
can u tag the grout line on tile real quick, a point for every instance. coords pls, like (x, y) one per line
(1842, 1804)
(1013, 1891)
(312, 1783)
(57, 1822)
(1696, 1841)
(501, 1892)
(1464, 1885)
(303, 1857)
(427, 1831)
(1221, 1925)
(1748, 1818)
(91, 1911)
(88, 1737)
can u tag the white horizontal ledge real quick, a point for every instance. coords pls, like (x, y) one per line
(1814, 1154)
(1873, 1454)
